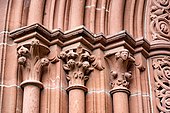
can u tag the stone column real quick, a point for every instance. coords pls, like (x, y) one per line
(120, 80)
(78, 66)
(31, 63)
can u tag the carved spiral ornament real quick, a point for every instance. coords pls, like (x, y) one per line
(160, 20)
(162, 82)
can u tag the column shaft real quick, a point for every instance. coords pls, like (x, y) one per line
(76, 101)
(120, 102)
(31, 99)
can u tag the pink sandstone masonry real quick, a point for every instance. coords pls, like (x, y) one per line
(84, 56)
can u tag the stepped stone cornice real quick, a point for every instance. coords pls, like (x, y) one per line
(93, 41)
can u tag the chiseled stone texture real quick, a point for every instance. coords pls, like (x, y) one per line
(91, 76)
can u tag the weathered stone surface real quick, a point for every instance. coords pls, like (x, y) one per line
(84, 56)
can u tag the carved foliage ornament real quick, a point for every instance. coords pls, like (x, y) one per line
(78, 64)
(31, 61)
(160, 20)
(162, 82)
(120, 76)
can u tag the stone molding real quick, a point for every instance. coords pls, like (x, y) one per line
(93, 41)
(121, 89)
(82, 87)
(162, 80)
(32, 82)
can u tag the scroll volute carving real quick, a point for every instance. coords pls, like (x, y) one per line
(31, 60)
(162, 83)
(160, 19)
(119, 64)
(78, 64)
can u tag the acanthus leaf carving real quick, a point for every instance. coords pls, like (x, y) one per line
(161, 68)
(78, 64)
(98, 64)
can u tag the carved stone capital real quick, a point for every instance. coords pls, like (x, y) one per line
(120, 76)
(161, 68)
(78, 64)
(31, 60)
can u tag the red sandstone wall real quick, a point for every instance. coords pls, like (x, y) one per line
(102, 35)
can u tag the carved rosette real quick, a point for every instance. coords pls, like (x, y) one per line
(120, 76)
(162, 83)
(31, 60)
(160, 19)
(78, 64)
